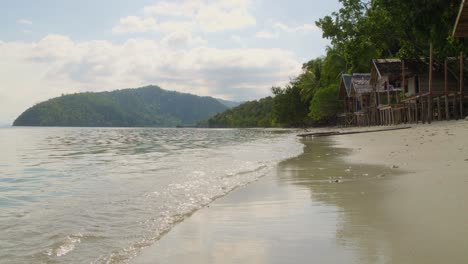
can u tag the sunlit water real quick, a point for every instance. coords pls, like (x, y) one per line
(90, 195)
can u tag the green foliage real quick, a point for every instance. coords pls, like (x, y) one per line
(144, 107)
(249, 114)
(289, 108)
(362, 30)
(324, 106)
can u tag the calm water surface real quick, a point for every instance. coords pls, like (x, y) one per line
(90, 195)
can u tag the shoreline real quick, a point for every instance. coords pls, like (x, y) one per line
(428, 205)
(267, 221)
(348, 199)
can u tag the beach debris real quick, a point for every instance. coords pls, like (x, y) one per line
(335, 181)
(395, 167)
(381, 175)
(335, 133)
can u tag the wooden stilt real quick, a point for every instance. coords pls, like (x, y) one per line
(455, 112)
(416, 112)
(462, 84)
(429, 97)
(439, 116)
(409, 112)
(421, 113)
(447, 113)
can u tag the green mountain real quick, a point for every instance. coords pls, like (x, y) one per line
(250, 114)
(148, 106)
(229, 104)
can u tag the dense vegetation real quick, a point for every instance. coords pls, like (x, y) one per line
(359, 32)
(144, 107)
(249, 114)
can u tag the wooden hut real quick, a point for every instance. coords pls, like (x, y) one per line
(460, 30)
(408, 90)
(461, 24)
(346, 118)
(361, 91)
(355, 94)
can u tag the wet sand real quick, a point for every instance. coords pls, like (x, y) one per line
(390, 197)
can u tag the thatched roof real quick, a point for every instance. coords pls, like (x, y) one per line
(360, 83)
(461, 25)
(393, 69)
(345, 86)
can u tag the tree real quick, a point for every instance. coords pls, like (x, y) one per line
(324, 106)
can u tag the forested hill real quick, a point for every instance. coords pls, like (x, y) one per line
(249, 114)
(148, 106)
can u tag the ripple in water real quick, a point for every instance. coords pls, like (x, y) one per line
(90, 195)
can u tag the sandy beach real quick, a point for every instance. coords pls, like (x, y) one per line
(389, 197)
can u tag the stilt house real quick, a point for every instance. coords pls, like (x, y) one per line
(355, 93)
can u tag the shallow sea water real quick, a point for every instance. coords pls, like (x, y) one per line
(100, 195)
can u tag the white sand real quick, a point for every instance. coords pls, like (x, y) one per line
(428, 204)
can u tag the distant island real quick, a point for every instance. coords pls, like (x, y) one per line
(148, 106)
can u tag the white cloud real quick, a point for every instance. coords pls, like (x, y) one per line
(215, 19)
(24, 22)
(279, 28)
(203, 15)
(57, 64)
(184, 9)
(182, 39)
(266, 35)
(135, 24)
(305, 28)
(170, 26)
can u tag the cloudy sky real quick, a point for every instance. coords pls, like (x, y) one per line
(231, 49)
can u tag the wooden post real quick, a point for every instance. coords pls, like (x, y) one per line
(455, 114)
(429, 97)
(447, 113)
(462, 84)
(346, 104)
(378, 98)
(439, 117)
(423, 114)
(416, 110)
(403, 78)
(409, 112)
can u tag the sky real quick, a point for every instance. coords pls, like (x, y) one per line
(230, 49)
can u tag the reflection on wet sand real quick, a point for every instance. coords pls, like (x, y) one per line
(358, 192)
(317, 208)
